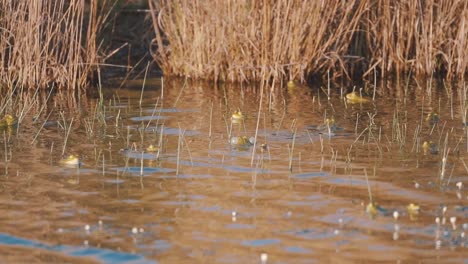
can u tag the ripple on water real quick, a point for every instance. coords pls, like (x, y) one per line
(158, 244)
(115, 181)
(312, 233)
(223, 166)
(147, 118)
(102, 255)
(261, 242)
(194, 176)
(309, 175)
(239, 226)
(143, 171)
(140, 155)
(296, 249)
(172, 110)
(176, 131)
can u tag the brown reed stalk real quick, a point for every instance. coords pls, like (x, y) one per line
(290, 39)
(422, 36)
(50, 42)
(252, 40)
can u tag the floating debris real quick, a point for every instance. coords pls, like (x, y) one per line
(234, 216)
(396, 215)
(453, 221)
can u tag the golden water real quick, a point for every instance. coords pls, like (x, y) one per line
(201, 200)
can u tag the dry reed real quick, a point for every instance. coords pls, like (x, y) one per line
(252, 40)
(50, 42)
(424, 37)
(290, 39)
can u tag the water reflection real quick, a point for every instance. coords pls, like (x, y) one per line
(197, 198)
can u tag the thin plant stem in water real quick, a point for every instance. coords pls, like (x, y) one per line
(42, 126)
(143, 85)
(375, 84)
(6, 152)
(291, 153)
(258, 123)
(368, 186)
(444, 158)
(179, 142)
(186, 144)
(211, 119)
(152, 114)
(180, 92)
(66, 136)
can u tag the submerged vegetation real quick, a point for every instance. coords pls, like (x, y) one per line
(290, 39)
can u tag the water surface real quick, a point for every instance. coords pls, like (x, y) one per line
(197, 199)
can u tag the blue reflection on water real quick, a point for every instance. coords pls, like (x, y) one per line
(103, 255)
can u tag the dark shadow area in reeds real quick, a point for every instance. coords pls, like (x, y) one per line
(290, 39)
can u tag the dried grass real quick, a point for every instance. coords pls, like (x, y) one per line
(290, 39)
(252, 40)
(425, 37)
(50, 42)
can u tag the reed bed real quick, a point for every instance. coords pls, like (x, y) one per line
(252, 40)
(291, 39)
(424, 37)
(50, 42)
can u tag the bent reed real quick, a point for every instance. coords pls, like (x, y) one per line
(50, 42)
(289, 39)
